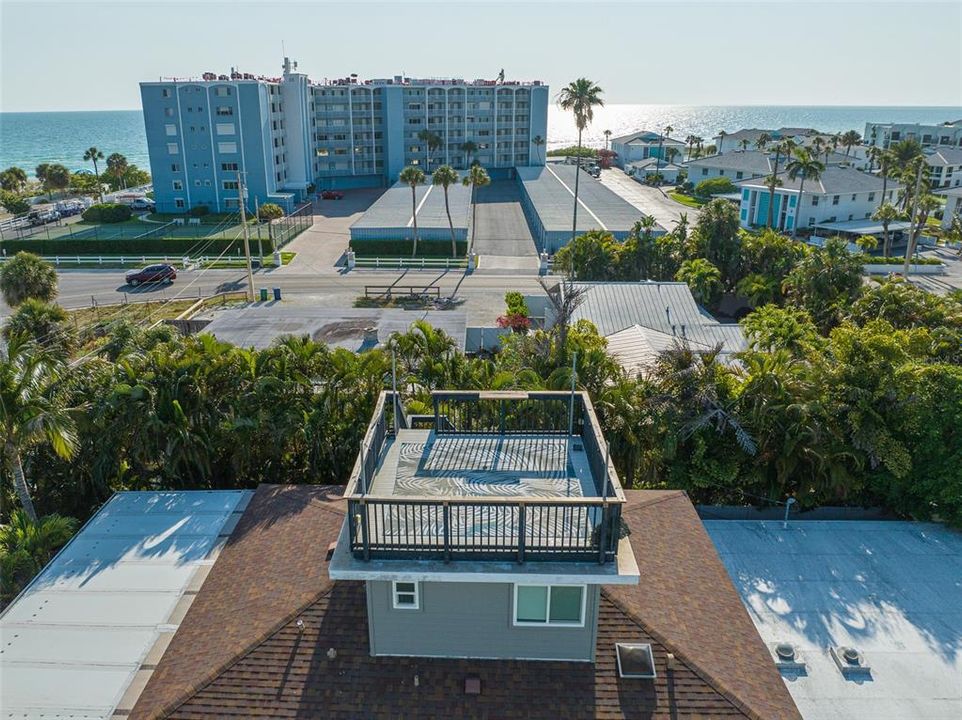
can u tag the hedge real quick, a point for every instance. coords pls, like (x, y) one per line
(402, 248)
(107, 213)
(140, 246)
(873, 260)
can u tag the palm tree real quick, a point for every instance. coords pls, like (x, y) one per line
(580, 97)
(690, 142)
(721, 139)
(41, 172)
(432, 142)
(93, 155)
(538, 142)
(469, 148)
(850, 139)
(28, 412)
(477, 177)
(784, 147)
(885, 160)
(117, 167)
(762, 142)
(808, 167)
(670, 154)
(13, 179)
(668, 129)
(924, 206)
(744, 143)
(26, 546)
(446, 176)
(885, 214)
(413, 176)
(607, 136)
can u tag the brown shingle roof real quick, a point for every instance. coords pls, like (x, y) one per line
(240, 653)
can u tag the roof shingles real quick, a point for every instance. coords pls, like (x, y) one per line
(241, 653)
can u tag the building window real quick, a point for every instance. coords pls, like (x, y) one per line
(228, 167)
(835, 200)
(704, 171)
(170, 129)
(405, 595)
(853, 197)
(222, 91)
(171, 148)
(174, 167)
(179, 203)
(178, 185)
(225, 128)
(169, 112)
(230, 185)
(739, 175)
(720, 173)
(165, 92)
(227, 147)
(225, 110)
(815, 200)
(549, 605)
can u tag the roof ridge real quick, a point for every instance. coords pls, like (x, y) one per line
(695, 667)
(672, 494)
(214, 674)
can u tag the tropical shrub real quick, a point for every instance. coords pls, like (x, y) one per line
(270, 211)
(107, 213)
(199, 211)
(13, 203)
(715, 186)
(27, 276)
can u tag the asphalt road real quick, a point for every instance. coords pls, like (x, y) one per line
(649, 200)
(482, 294)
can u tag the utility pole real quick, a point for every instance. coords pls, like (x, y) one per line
(242, 196)
(910, 244)
(260, 246)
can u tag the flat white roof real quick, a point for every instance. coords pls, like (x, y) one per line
(74, 640)
(893, 590)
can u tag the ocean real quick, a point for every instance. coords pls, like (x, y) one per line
(28, 139)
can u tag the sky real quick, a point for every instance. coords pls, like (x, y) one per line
(92, 55)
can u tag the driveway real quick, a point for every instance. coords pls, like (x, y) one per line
(940, 284)
(650, 200)
(502, 229)
(322, 245)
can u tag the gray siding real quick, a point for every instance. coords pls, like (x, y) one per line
(472, 620)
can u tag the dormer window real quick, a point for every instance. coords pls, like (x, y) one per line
(548, 605)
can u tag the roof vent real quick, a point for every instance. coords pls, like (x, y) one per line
(635, 660)
(786, 657)
(850, 661)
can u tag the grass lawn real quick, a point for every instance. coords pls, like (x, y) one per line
(158, 309)
(211, 219)
(266, 261)
(688, 200)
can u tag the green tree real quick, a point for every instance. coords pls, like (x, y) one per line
(849, 140)
(117, 167)
(702, 278)
(13, 203)
(592, 256)
(30, 412)
(56, 177)
(785, 147)
(721, 139)
(771, 328)
(26, 546)
(469, 148)
(668, 129)
(413, 176)
(44, 323)
(27, 276)
(581, 97)
(432, 141)
(446, 176)
(717, 238)
(762, 141)
(85, 184)
(270, 211)
(41, 172)
(92, 154)
(477, 177)
(886, 213)
(804, 166)
(825, 281)
(13, 179)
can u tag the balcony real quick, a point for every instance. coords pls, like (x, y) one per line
(489, 476)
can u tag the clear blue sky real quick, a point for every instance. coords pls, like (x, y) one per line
(90, 56)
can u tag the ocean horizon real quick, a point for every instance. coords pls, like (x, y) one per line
(30, 138)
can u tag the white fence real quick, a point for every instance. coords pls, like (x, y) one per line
(411, 263)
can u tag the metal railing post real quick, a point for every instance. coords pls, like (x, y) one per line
(521, 532)
(365, 534)
(603, 537)
(446, 514)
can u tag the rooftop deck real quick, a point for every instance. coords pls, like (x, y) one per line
(490, 476)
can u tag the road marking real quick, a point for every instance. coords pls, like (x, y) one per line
(421, 205)
(580, 201)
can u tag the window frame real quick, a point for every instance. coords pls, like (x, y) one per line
(394, 595)
(548, 622)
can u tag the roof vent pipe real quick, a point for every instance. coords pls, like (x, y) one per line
(788, 509)
(668, 312)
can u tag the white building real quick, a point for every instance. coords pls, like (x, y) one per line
(640, 169)
(945, 167)
(747, 164)
(645, 144)
(953, 206)
(884, 134)
(841, 194)
(734, 140)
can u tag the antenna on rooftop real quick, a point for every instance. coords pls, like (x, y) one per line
(571, 405)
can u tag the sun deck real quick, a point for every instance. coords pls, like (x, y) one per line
(493, 476)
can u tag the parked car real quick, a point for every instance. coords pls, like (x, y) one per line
(143, 204)
(594, 170)
(160, 273)
(68, 208)
(42, 217)
(332, 195)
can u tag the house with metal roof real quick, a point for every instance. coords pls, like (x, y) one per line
(645, 144)
(748, 164)
(840, 194)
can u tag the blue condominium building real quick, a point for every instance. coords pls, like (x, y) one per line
(287, 134)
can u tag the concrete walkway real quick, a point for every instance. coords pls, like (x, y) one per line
(650, 200)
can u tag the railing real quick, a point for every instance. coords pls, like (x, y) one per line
(582, 529)
(409, 262)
